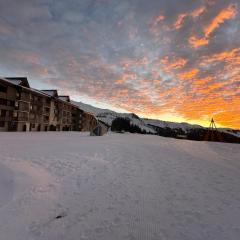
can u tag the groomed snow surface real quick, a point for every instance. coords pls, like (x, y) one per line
(71, 186)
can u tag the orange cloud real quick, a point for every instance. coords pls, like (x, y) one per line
(226, 14)
(227, 56)
(202, 81)
(194, 14)
(172, 64)
(189, 74)
(158, 19)
(209, 88)
(198, 42)
(180, 20)
(198, 11)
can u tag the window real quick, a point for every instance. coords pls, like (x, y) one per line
(23, 106)
(25, 96)
(47, 110)
(15, 114)
(46, 118)
(10, 113)
(3, 89)
(3, 101)
(2, 124)
(3, 113)
(10, 103)
(22, 116)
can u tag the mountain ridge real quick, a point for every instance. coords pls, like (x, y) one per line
(149, 125)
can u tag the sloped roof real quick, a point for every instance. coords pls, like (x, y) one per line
(39, 92)
(64, 98)
(21, 81)
(51, 92)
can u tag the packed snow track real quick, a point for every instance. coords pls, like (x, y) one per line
(71, 186)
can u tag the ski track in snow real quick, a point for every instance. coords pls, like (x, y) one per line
(120, 186)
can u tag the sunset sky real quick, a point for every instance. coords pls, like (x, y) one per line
(176, 60)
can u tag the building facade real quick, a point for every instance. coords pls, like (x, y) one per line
(89, 121)
(23, 108)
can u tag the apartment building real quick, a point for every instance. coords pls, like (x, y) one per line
(39, 113)
(64, 115)
(26, 109)
(73, 113)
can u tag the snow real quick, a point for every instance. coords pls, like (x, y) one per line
(233, 132)
(91, 109)
(65, 185)
(108, 116)
(173, 125)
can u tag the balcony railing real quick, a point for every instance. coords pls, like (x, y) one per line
(6, 118)
(23, 108)
(24, 98)
(22, 119)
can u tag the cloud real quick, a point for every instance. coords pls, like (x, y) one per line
(194, 14)
(198, 42)
(188, 74)
(225, 14)
(160, 58)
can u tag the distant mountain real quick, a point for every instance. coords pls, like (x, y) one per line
(173, 125)
(153, 126)
(107, 116)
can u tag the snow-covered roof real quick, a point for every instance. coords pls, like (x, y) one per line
(52, 92)
(21, 81)
(64, 98)
(38, 92)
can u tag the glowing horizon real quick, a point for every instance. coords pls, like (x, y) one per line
(174, 61)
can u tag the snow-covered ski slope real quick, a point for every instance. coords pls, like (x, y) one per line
(117, 187)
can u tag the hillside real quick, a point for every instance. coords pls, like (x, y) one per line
(66, 185)
(108, 116)
(162, 128)
(92, 109)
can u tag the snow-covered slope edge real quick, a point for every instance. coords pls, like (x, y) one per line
(91, 109)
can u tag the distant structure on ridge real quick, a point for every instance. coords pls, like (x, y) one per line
(213, 134)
